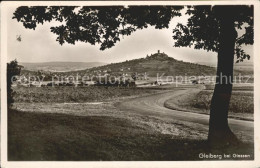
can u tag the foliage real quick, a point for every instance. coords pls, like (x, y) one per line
(105, 25)
(203, 29)
(96, 24)
(13, 69)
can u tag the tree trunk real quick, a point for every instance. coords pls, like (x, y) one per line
(219, 131)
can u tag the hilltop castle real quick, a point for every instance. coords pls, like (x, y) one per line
(157, 55)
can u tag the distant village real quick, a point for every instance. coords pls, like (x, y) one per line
(125, 74)
(80, 78)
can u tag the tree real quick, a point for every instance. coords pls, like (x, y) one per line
(212, 28)
(13, 69)
(134, 76)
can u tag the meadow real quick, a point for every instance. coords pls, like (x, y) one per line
(83, 124)
(47, 136)
(75, 94)
(241, 103)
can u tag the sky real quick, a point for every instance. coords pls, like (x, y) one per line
(40, 45)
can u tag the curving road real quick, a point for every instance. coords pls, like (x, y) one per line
(153, 105)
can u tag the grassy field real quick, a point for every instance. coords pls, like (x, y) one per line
(75, 94)
(236, 87)
(76, 124)
(241, 101)
(241, 104)
(46, 136)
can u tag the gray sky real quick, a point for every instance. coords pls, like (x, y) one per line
(40, 45)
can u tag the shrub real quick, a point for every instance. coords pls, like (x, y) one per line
(13, 69)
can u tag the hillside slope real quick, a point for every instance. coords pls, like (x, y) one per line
(151, 65)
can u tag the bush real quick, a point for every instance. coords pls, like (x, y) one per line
(13, 69)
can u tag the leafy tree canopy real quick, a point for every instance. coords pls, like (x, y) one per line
(96, 24)
(106, 24)
(203, 28)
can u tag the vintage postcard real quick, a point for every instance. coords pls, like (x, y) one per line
(130, 84)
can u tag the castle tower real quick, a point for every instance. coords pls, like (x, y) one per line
(158, 51)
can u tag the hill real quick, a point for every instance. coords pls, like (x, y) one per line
(60, 66)
(151, 65)
(154, 65)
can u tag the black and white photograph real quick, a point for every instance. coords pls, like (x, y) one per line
(101, 81)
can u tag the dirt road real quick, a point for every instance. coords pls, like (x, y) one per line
(153, 106)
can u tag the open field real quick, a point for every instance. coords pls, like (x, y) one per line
(107, 134)
(75, 94)
(241, 101)
(236, 87)
(88, 123)
(241, 104)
